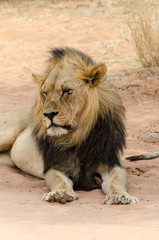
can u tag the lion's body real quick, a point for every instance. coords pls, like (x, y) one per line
(76, 130)
(11, 125)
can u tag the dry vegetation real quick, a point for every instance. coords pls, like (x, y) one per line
(144, 25)
(144, 28)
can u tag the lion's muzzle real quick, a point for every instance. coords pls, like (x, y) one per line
(50, 115)
(55, 128)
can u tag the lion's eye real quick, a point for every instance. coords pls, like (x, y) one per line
(67, 91)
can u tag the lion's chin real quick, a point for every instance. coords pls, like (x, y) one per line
(55, 131)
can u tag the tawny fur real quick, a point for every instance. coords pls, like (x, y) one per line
(75, 103)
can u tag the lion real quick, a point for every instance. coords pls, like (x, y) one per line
(75, 133)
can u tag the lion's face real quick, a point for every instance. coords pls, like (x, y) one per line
(66, 94)
(63, 98)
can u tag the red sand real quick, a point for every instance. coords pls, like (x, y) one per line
(26, 33)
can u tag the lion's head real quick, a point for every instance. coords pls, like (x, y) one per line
(72, 93)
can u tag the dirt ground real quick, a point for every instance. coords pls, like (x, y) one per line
(28, 29)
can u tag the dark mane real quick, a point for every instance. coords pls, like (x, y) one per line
(103, 144)
(60, 53)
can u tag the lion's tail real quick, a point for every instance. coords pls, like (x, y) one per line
(147, 156)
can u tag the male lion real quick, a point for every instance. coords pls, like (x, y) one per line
(74, 133)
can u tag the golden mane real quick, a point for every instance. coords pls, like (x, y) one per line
(101, 98)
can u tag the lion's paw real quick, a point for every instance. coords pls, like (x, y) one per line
(124, 198)
(61, 196)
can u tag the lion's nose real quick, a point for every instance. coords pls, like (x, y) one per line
(50, 115)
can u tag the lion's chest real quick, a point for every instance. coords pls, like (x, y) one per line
(66, 161)
(72, 161)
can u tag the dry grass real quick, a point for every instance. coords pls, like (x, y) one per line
(145, 32)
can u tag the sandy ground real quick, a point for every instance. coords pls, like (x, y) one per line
(99, 28)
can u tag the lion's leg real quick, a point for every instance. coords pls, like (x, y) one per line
(11, 125)
(61, 187)
(114, 186)
(5, 159)
(26, 156)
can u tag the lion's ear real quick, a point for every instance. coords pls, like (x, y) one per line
(96, 74)
(39, 78)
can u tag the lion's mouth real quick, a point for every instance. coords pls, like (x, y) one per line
(67, 127)
(57, 130)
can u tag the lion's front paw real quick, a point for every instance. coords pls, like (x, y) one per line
(122, 198)
(61, 196)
